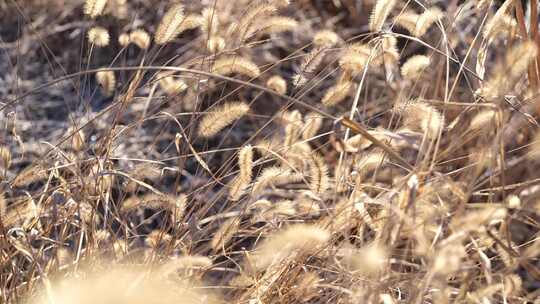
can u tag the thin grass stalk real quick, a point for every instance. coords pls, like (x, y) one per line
(534, 35)
(523, 30)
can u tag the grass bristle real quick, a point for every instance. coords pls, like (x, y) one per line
(414, 66)
(297, 239)
(107, 81)
(239, 65)
(220, 117)
(325, 38)
(98, 36)
(94, 8)
(423, 117)
(140, 38)
(169, 27)
(275, 25)
(337, 94)
(380, 12)
(320, 180)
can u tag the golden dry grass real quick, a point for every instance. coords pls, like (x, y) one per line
(269, 151)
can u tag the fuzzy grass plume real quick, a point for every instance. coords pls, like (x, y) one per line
(220, 117)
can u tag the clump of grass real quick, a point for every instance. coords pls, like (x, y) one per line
(272, 151)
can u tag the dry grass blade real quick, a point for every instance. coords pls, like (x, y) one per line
(360, 130)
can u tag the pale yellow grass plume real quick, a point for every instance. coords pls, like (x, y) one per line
(479, 220)
(534, 148)
(483, 120)
(419, 24)
(249, 24)
(355, 58)
(210, 21)
(157, 239)
(78, 140)
(297, 154)
(186, 263)
(293, 123)
(98, 36)
(380, 12)
(299, 80)
(215, 44)
(513, 285)
(120, 285)
(387, 298)
(370, 161)
(245, 163)
(175, 204)
(407, 20)
(426, 20)
(318, 171)
(359, 142)
(140, 38)
(310, 63)
(423, 117)
(239, 65)
(448, 259)
(3, 205)
(101, 236)
(482, 4)
(276, 25)
(508, 71)
(312, 124)
(500, 25)
(336, 94)
(279, 3)
(225, 233)
(386, 50)
(170, 84)
(29, 175)
(414, 66)
(278, 84)
(366, 261)
(306, 287)
(118, 8)
(107, 81)
(274, 176)
(64, 257)
(190, 22)
(308, 206)
(241, 182)
(486, 293)
(142, 171)
(220, 117)
(325, 38)
(500, 22)
(5, 158)
(513, 202)
(94, 8)
(287, 117)
(169, 26)
(264, 146)
(296, 239)
(124, 40)
(282, 209)
(20, 212)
